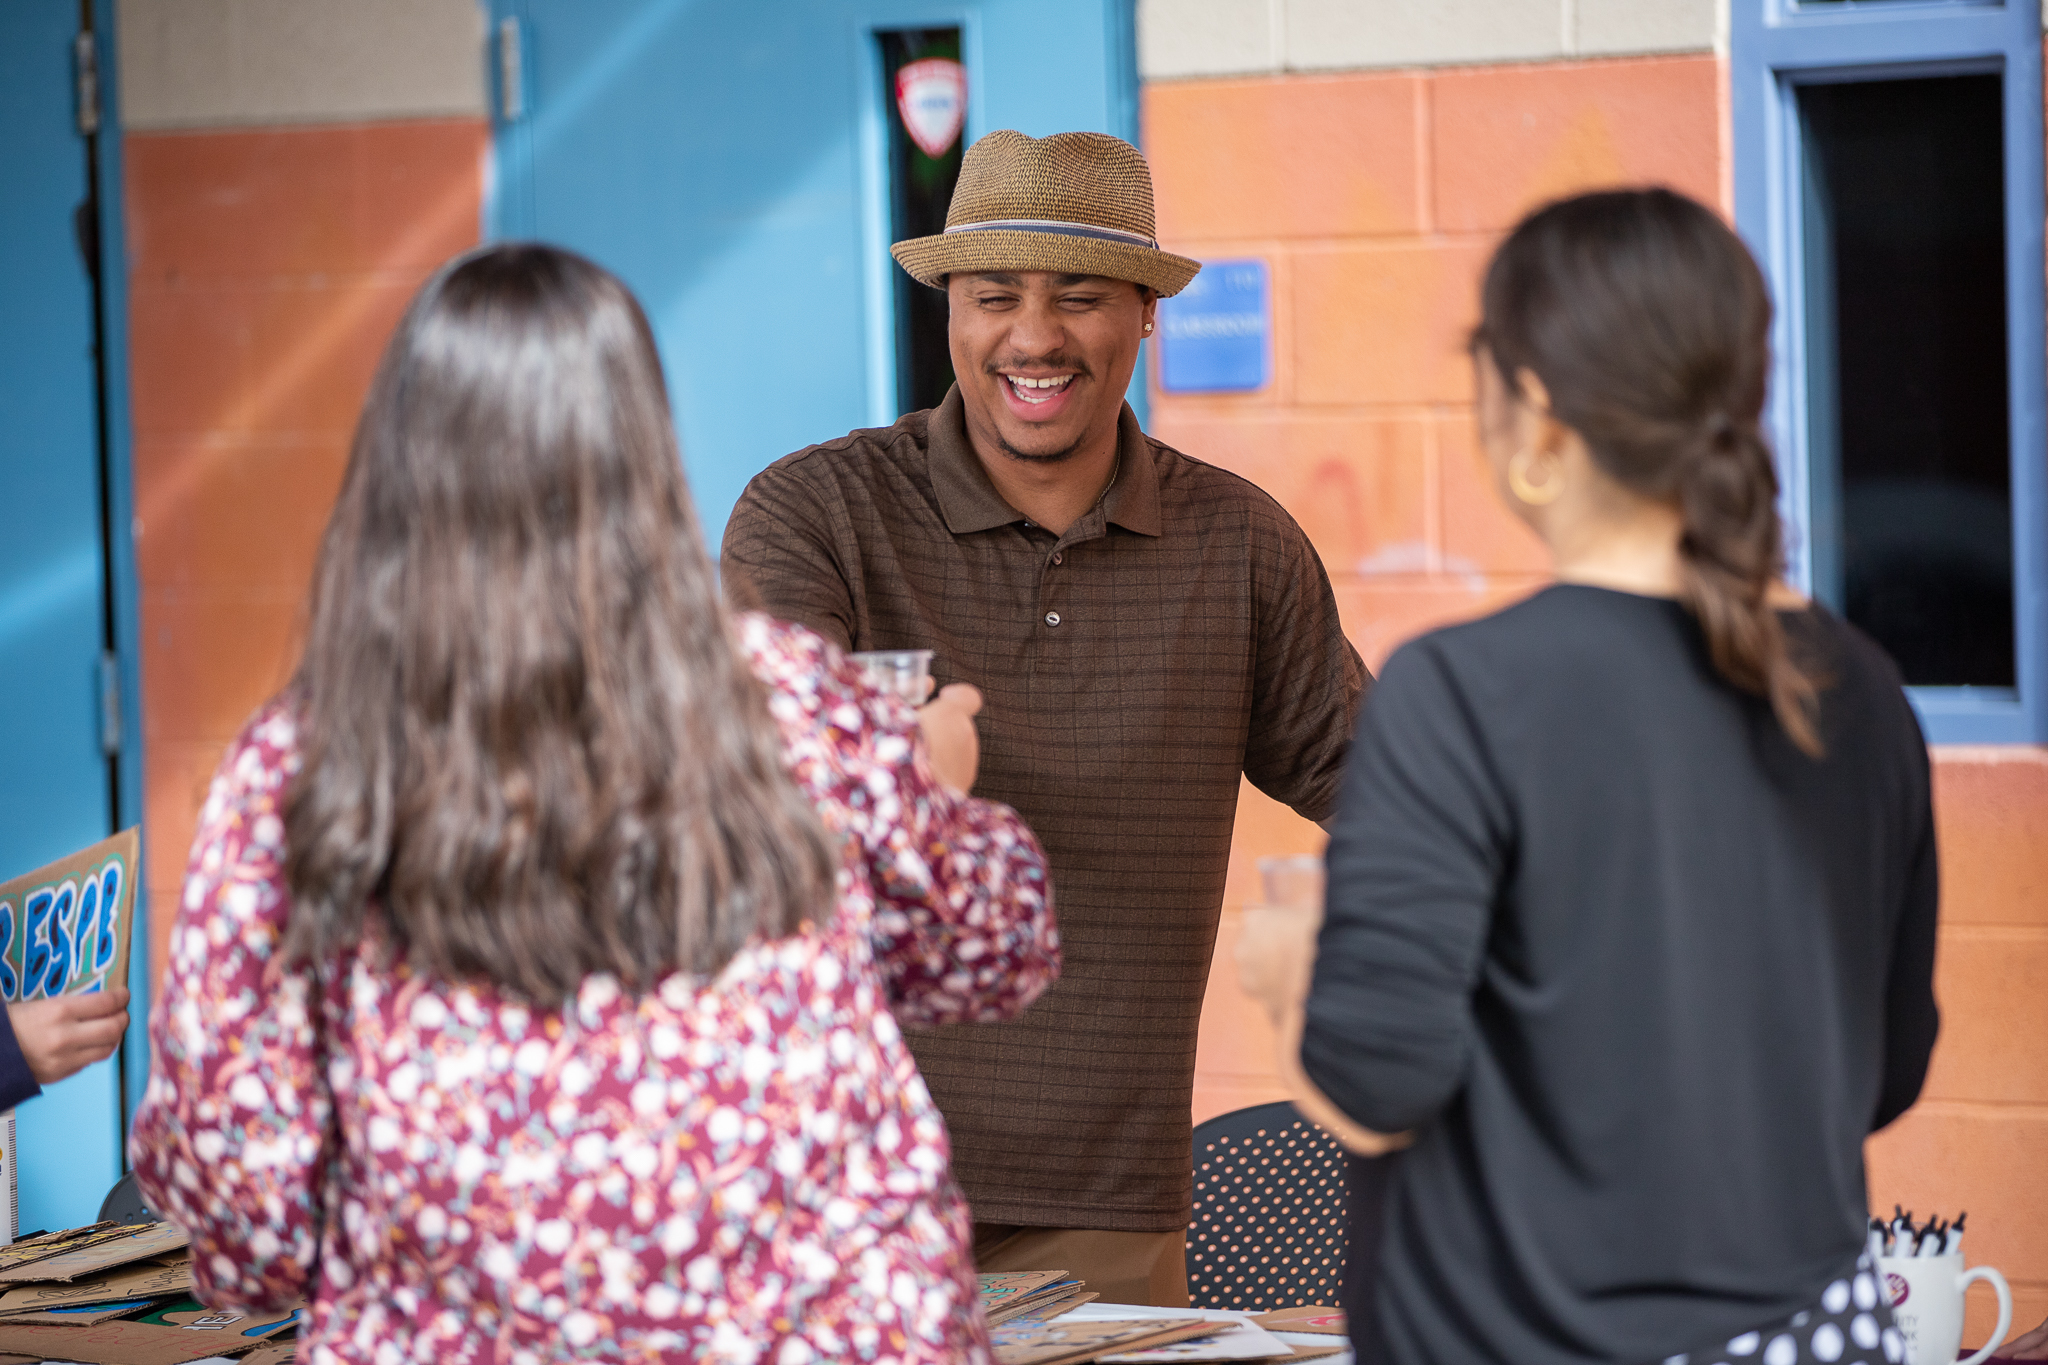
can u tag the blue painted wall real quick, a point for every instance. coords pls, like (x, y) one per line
(727, 161)
(55, 792)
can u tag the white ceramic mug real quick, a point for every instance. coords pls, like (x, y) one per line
(1927, 1304)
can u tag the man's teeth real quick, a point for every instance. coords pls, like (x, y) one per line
(1037, 390)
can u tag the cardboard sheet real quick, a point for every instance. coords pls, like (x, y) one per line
(1312, 1318)
(1066, 1342)
(83, 1314)
(273, 1352)
(1236, 1337)
(67, 927)
(147, 1280)
(100, 1250)
(117, 1343)
(1046, 1307)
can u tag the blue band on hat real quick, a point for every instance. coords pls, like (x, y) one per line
(1057, 229)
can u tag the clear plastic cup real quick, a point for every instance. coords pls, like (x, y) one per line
(1292, 881)
(904, 672)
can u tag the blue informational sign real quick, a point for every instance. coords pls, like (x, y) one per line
(1216, 335)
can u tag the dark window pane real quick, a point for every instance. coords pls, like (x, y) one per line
(1906, 330)
(921, 186)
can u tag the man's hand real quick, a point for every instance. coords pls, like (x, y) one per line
(1276, 959)
(62, 1035)
(950, 739)
(1276, 955)
(2032, 1346)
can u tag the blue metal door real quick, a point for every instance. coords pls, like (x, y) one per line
(727, 160)
(56, 785)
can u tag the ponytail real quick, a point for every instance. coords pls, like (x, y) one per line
(1730, 552)
(1647, 321)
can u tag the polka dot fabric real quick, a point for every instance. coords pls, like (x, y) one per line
(1851, 1325)
(744, 1169)
(1268, 1226)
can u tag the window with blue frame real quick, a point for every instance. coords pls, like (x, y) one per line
(1888, 172)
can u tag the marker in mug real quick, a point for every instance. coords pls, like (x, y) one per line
(1876, 1239)
(1932, 1239)
(1953, 1242)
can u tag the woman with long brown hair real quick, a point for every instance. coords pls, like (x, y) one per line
(536, 984)
(1630, 920)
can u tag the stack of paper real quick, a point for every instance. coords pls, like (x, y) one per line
(121, 1294)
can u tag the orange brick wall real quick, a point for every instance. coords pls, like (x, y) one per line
(1375, 199)
(266, 269)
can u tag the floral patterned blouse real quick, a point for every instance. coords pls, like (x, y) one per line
(746, 1168)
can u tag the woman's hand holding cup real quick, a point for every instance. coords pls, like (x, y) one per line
(952, 743)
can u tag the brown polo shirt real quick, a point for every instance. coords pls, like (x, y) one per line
(1179, 634)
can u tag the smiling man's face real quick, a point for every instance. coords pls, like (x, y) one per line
(1043, 360)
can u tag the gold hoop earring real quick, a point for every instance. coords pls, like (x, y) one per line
(1535, 494)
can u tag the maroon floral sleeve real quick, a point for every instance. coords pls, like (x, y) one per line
(963, 926)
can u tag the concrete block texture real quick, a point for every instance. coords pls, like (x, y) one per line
(1335, 34)
(1182, 38)
(1206, 37)
(1617, 27)
(216, 63)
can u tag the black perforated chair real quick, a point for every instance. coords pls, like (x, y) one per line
(1270, 1214)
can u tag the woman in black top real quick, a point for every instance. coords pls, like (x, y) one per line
(1631, 905)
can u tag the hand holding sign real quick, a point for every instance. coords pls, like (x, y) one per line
(64, 934)
(69, 1033)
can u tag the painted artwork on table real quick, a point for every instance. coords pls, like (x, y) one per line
(66, 928)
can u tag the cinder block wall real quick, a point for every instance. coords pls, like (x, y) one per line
(295, 169)
(1373, 152)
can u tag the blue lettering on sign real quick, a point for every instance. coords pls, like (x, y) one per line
(36, 941)
(10, 983)
(1215, 336)
(63, 925)
(86, 939)
(110, 917)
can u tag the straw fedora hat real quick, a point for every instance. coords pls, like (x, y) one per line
(1077, 203)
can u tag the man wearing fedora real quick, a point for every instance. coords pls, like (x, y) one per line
(1145, 629)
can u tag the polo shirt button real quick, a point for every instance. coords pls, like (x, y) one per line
(1058, 558)
(1052, 618)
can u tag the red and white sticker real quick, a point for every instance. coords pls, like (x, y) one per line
(931, 95)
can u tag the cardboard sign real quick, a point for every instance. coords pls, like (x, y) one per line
(233, 1325)
(67, 927)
